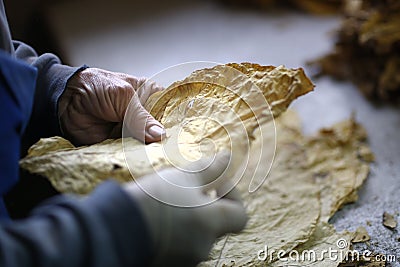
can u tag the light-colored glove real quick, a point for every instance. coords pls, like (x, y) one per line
(183, 236)
(93, 106)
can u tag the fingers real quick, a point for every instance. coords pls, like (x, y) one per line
(228, 191)
(146, 89)
(141, 124)
(211, 168)
(229, 216)
(229, 211)
(143, 87)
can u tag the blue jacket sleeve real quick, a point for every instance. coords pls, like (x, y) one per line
(104, 229)
(51, 82)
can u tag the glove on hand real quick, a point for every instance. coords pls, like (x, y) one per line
(93, 106)
(183, 236)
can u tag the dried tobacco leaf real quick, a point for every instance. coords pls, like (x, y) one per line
(313, 253)
(361, 235)
(389, 221)
(340, 181)
(79, 170)
(278, 85)
(328, 164)
(231, 96)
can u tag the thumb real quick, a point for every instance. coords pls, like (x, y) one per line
(140, 124)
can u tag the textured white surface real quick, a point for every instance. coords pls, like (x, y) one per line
(142, 39)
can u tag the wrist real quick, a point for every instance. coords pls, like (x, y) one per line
(123, 223)
(156, 218)
(65, 97)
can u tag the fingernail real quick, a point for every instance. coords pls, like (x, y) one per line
(156, 131)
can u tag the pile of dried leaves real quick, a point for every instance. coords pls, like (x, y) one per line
(367, 50)
(310, 179)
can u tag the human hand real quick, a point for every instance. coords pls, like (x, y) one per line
(183, 236)
(93, 106)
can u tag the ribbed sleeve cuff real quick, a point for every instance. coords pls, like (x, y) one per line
(59, 76)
